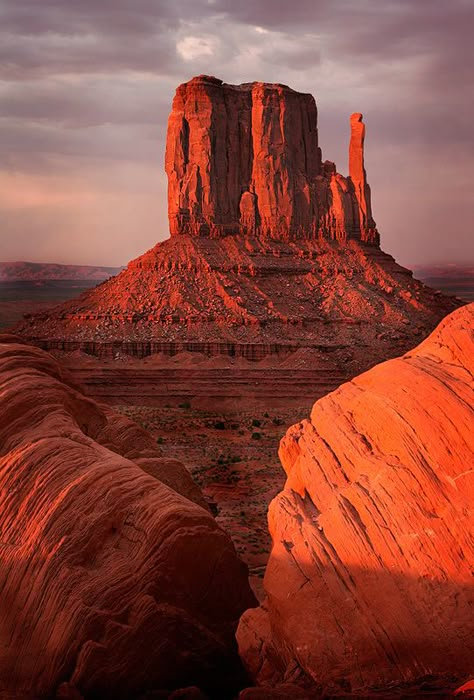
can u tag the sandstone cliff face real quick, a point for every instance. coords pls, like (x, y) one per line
(370, 576)
(112, 580)
(245, 159)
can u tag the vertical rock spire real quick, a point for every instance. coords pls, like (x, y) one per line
(358, 176)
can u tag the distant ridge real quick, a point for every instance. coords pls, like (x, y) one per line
(449, 278)
(34, 271)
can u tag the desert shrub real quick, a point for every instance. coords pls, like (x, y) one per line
(256, 436)
(256, 423)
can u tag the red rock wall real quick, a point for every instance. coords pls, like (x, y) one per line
(113, 578)
(246, 159)
(369, 580)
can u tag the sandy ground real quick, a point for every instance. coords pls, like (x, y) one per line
(233, 456)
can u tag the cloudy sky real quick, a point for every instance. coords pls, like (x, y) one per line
(86, 87)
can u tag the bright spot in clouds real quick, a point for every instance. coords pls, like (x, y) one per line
(192, 47)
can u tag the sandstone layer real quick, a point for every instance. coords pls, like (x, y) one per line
(246, 159)
(115, 580)
(369, 581)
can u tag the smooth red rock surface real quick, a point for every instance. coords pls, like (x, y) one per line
(112, 581)
(245, 159)
(369, 580)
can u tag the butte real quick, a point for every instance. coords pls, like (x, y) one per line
(271, 250)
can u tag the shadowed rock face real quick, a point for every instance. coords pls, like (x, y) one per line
(245, 159)
(112, 580)
(370, 576)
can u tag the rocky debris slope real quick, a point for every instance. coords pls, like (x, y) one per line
(369, 580)
(113, 581)
(246, 159)
(248, 297)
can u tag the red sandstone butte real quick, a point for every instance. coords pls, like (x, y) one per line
(112, 581)
(245, 159)
(369, 581)
(271, 249)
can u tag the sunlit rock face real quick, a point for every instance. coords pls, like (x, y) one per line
(271, 248)
(358, 177)
(370, 576)
(245, 159)
(113, 581)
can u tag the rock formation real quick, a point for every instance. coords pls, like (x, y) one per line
(370, 577)
(269, 247)
(245, 159)
(112, 581)
(358, 178)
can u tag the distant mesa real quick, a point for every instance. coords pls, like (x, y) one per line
(37, 272)
(245, 159)
(369, 581)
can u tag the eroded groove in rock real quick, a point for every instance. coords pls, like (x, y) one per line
(111, 578)
(369, 580)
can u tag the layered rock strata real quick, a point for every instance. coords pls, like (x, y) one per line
(115, 580)
(369, 581)
(247, 297)
(246, 159)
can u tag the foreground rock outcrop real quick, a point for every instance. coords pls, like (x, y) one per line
(370, 579)
(113, 581)
(246, 159)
